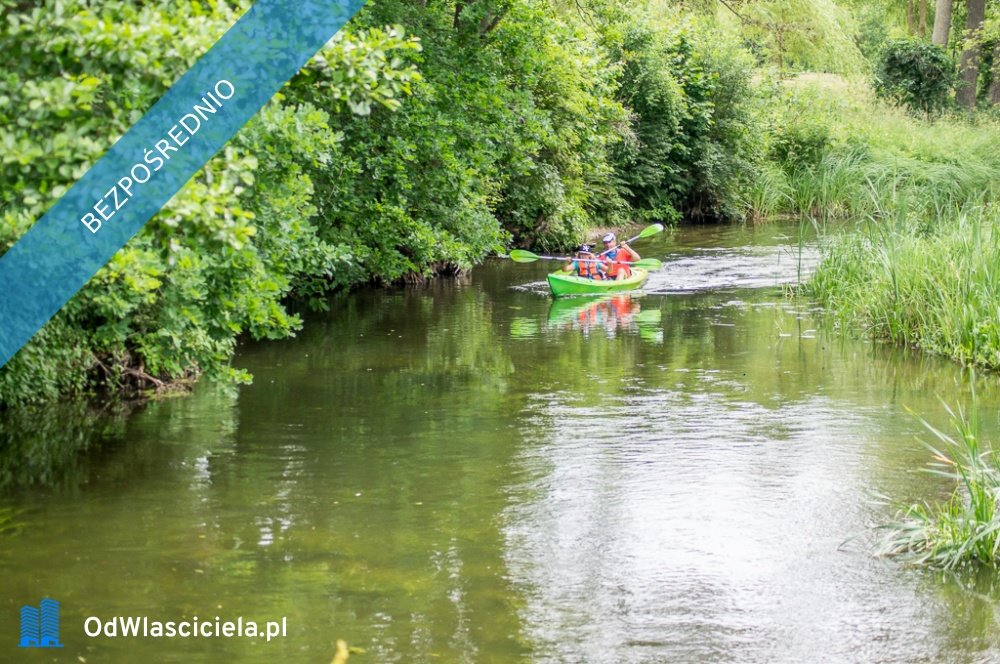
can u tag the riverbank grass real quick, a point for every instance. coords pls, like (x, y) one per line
(836, 151)
(965, 528)
(931, 283)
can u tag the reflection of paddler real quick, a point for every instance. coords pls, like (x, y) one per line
(569, 310)
(584, 313)
(623, 306)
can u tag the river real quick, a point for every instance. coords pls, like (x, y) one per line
(465, 472)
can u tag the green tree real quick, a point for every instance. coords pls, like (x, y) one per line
(969, 67)
(220, 258)
(815, 35)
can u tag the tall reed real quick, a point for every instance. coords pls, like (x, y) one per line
(930, 281)
(965, 528)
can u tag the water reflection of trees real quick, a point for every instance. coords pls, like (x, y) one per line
(44, 445)
(68, 444)
(389, 424)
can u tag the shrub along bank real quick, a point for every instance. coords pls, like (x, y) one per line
(224, 253)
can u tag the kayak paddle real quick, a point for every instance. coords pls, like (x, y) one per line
(648, 231)
(524, 256)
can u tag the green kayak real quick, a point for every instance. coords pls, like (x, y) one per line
(563, 283)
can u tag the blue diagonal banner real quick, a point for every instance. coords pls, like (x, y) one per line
(150, 163)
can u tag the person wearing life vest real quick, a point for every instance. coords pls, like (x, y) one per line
(617, 257)
(585, 264)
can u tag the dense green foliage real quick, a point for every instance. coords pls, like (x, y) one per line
(393, 155)
(915, 74)
(796, 35)
(223, 254)
(507, 134)
(693, 138)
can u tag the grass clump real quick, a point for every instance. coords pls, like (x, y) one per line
(931, 282)
(965, 529)
(834, 150)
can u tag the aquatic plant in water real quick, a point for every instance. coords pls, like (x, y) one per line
(965, 529)
(8, 521)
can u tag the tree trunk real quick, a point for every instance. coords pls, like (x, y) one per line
(942, 22)
(923, 18)
(970, 57)
(911, 21)
(995, 83)
(779, 41)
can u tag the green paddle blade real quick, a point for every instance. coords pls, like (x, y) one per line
(523, 256)
(650, 230)
(648, 264)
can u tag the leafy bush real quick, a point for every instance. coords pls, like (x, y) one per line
(648, 164)
(915, 74)
(691, 145)
(220, 258)
(506, 137)
(801, 144)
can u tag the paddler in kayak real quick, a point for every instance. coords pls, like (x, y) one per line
(585, 264)
(617, 257)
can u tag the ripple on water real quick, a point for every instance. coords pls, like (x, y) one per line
(729, 268)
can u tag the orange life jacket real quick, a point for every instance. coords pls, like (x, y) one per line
(587, 270)
(619, 261)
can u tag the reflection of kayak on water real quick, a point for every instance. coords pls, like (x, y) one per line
(606, 312)
(564, 283)
(568, 310)
(585, 312)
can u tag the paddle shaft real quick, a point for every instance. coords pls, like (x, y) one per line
(642, 263)
(629, 241)
(525, 256)
(638, 263)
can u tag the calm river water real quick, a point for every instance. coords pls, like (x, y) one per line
(466, 472)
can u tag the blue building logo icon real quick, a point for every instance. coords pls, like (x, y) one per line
(40, 627)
